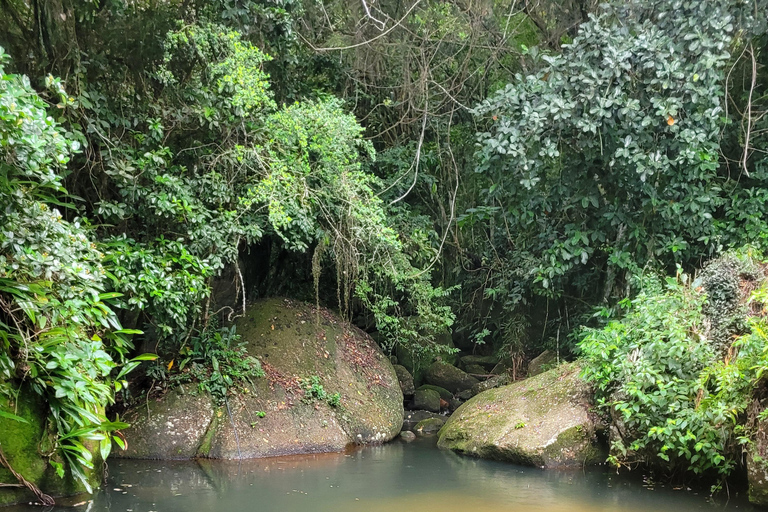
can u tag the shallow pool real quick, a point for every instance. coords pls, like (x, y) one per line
(395, 477)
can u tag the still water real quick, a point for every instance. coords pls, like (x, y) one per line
(395, 477)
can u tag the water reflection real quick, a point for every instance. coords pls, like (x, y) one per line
(397, 476)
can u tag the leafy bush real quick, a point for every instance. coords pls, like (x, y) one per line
(676, 399)
(58, 333)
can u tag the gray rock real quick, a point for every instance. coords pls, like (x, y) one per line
(449, 377)
(405, 379)
(430, 426)
(488, 362)
(541, 363)
(475, 369)
(292, 345)
(427, 399)
(542, 421)
(465, 395)
(494, 382)
(407, 436)
(444, 393)
(412, 418)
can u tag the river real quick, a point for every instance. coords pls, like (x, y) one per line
(395, 477)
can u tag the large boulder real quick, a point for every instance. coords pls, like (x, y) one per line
(427, 400)
(542, 421)
(22, 443)
(296, 344)
(449, 377)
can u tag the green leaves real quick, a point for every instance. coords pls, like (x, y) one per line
(675, 393)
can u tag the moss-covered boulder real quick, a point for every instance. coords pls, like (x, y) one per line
(296, 344)
(22, 444)
(430, 426)
(427, 400)
(487, 362)
(449, 377)
(444, 393)
(405, 379)
(542, 421)
(413, 418)
(494, 382)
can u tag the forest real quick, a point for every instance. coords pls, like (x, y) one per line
(588, 178)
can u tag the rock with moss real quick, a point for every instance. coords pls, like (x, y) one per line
(486, 362)
(444, 393)
(449, 377)
(327, 385)
(405, 379)
(22, 443)
(475, 369)
(494, 382)
(543, 421)
(170, 427)
(412, 418)
(541, 363)
(427, 400)
(429, 427)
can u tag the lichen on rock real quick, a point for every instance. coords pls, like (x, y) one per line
(295, 342)
(542, 421)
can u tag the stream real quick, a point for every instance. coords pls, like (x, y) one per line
(394, 477)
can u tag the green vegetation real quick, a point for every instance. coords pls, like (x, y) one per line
(314, 391)
(443, 173)
(675, 393)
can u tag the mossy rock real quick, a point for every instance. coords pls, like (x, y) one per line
(494, 382)
(405, 379)
(487, 362)
(541, 363)
(475, 369)
(427, 399)
(449, 377)
(294, 341)
(543, 421)
(444, 393)
(429, 427)
(413, 418)
(171, 427)
(21, 444)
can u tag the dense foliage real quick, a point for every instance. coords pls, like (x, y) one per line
(675, 395)
(493, 168)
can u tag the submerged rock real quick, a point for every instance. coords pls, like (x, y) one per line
(22, 443)
(542, 421)
(413, 418)
(294, 342)
(430, 426)
(449, 377)
(407, 436)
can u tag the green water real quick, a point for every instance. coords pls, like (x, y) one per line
(395, 477)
